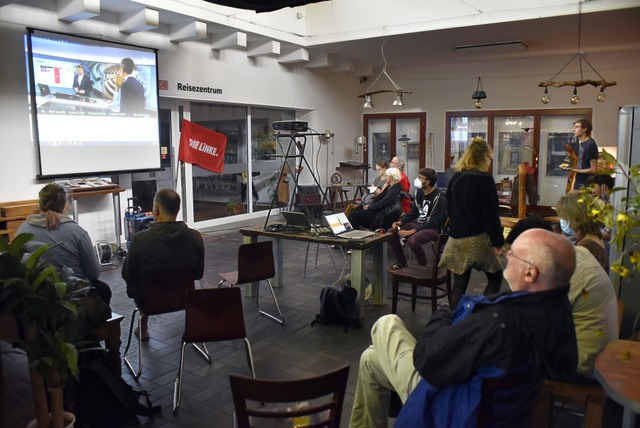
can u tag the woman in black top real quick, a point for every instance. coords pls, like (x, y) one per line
(372, 215)
(475, 231)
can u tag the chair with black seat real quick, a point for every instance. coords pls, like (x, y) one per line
(585, 401)
(265, 402)
(211, 315)
(164, 292)
(510, 401)
(255, 264)
(437, 279)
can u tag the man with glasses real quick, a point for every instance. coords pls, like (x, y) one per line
(439, 377)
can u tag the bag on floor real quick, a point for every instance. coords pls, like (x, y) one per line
(338, 307)
(105, 400)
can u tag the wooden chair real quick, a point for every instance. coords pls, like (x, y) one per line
(265, 402)
(509, 401)
(164, 292)
(255, 264)
(211, 315)
(424, 276)
(584, 401)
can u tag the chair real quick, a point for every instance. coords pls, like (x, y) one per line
(424, 276)
(584, 401)
(255, 264)
(211, 315)
(164, 292)
(316, 412)
(509, 401)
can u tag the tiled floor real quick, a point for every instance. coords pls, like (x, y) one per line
(294, 350)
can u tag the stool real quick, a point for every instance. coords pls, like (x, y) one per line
(336, 192)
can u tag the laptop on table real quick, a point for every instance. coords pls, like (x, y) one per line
(296, 220)
(341, 227)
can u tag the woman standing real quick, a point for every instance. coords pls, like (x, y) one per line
(475, 232)
(70, 244)
(374, 215)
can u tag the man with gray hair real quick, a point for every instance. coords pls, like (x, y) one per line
(166, 244)
(439, 376)
(398, 162)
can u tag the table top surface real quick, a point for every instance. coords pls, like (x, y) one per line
(354, 244)
(618, 370)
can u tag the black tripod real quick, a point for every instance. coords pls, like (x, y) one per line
(295, 151)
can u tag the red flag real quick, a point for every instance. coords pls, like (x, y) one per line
(202, 147)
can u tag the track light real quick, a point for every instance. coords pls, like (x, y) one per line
(368, 102)
(398, 101)
(545, 97)
(575, 99)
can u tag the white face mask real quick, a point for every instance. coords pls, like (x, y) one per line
(418, 183)
(564, 225)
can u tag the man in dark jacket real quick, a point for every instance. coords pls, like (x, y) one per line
(439, 377)
(166, 244)
(423, 223)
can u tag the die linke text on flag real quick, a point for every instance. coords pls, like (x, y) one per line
(202, 147)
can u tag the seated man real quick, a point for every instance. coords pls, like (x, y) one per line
(439, 376)
(166, 244)
(423, 223)
(593, 303)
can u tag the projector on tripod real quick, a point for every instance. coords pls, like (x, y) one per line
(290, 126)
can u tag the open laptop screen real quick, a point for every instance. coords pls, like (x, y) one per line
(338, 223)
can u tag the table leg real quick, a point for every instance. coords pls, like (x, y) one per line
(358, 277)
(116, 217)
(379, 273)
(278, 281)
(249, 289)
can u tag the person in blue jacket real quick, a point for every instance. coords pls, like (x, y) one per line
(439, 377)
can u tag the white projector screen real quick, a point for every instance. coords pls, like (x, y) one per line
(92, 116)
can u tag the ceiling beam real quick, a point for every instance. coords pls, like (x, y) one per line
(139, 20)
(297, 55)
(320, 60)
(193, 30)
(271, 47)
(234, 40)
(77, 10)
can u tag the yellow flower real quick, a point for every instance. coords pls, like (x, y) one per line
(620, 270)
(634, 257)
(622, 219)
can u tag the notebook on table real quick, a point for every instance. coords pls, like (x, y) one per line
(341, 227)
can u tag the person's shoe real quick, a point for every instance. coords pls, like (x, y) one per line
(145, 335)
(397, 266)
(395, 405)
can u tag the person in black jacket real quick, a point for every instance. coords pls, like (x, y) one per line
(166, 244)
(475, 232)
(439, 376)
(423, 223)
(374, 215)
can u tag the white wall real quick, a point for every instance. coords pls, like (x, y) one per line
(325, 100)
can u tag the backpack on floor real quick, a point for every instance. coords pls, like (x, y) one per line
(338, 307)
(105, 400)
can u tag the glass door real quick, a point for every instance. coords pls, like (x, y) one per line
(402, 135)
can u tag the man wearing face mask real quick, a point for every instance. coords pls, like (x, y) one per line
(423, 223)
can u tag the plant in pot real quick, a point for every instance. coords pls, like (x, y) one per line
(234, 207)
(46, 306)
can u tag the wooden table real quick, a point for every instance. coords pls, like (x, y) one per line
(618, 371)
(357, 247)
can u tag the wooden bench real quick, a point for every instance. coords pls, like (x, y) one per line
(13, 214)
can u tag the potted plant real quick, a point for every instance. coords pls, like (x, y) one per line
(234, 207)
(46, 307)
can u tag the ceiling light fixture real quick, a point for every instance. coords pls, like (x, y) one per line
(479, 94)
(368, 102)
(602, 83)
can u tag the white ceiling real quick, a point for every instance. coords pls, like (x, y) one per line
(606, 30)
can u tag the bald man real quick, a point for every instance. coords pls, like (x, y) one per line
(439, 376)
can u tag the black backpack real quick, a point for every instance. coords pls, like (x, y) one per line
(104, 400)
(339, 307)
